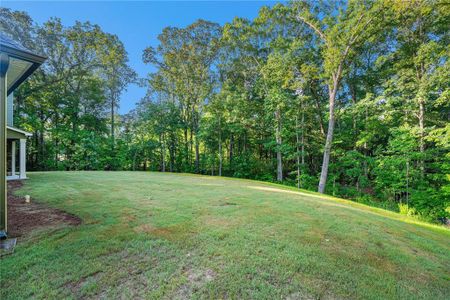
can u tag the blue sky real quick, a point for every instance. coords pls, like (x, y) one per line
(137, 24)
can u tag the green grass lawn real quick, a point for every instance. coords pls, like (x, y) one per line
(176, 236)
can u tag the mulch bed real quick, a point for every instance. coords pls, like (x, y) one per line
(26, 217)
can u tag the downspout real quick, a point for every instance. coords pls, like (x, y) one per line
(4, 64)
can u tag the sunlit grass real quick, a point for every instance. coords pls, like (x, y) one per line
(152, 235)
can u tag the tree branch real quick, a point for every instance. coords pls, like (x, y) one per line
(314, 27)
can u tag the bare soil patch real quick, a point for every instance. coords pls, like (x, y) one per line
(196, 279)
(25, 217)
(76, 286)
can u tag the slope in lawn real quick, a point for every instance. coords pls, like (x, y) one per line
(152, 235)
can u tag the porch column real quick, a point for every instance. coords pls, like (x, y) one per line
(23, 144)
(4, 64)
(13, 158)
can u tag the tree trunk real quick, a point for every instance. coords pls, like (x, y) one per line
(197, 155)
(327, 151)
(301, 141)
(298, 151)
(41, 148)
(303, 136)
(319, 110)
(112, 122)
(231, 150)
(278, 141)
(353, 93)
(171, 152)
(197, 149)
(72, 141)
(163, 154)
(56, 144)
(220, 148)
(134, 160)
(191, 147)
(186, 147)
(56, 153)
(422, 134)
(197, 142)
(366, 167)
(212, 162)
(36, 143)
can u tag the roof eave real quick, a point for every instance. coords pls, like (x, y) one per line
(24, 55)
(35, 59)
(19, 130)
(23, 78)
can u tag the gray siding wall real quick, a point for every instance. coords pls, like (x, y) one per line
(10, 107)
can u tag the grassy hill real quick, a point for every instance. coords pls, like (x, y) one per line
(177, 236)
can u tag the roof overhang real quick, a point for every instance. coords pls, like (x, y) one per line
(16, 133)
(23, 55)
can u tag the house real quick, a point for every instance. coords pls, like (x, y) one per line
(16, 64)
(16, 144)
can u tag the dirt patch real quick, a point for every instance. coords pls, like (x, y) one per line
(173, 232)
(76, 286)
(300, 296)
(228, 204)
(156, 231)
(196, 280)
(221, 222)
(25, 217)
(128, 218)
(200, 277)
(145, 228)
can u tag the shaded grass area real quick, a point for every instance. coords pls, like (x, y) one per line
(176, 236)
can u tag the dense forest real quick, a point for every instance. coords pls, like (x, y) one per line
(351, 99)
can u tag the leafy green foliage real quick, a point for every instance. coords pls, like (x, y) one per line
(253, 98)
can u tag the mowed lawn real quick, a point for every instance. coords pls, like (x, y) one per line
(176, 236)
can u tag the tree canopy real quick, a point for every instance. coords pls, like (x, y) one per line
(347, 98)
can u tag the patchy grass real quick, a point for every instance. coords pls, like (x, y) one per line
(177, 236)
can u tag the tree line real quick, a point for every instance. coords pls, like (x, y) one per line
(348, 98)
